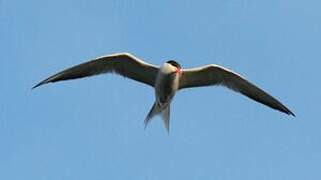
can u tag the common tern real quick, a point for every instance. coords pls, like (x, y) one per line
(167, 80)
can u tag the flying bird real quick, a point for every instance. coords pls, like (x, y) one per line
(167, 80)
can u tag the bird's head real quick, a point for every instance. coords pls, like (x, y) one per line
(176, 65)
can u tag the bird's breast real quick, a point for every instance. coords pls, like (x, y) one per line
(166, 86)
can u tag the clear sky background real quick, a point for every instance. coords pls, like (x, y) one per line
(93, 128)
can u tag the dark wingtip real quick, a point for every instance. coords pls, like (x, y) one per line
(35, 86)
(39, 84)
(291, 114)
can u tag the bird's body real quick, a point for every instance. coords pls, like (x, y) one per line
(167, 80)
(166, 84)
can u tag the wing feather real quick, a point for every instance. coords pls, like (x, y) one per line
(217, 75)
(123, 64)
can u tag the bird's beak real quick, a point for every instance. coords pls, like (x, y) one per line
(178, 71)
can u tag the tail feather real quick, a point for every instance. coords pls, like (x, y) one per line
(153, 112)
(165, 117)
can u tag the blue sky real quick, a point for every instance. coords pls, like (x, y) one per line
(93, 128)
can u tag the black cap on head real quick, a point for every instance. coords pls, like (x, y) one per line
(174, 63)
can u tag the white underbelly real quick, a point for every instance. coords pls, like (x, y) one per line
(165, 88)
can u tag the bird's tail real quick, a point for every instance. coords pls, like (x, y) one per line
(165, 117)
(155, 110)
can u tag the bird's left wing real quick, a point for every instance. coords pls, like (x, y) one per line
(217, 75)
(124, 64)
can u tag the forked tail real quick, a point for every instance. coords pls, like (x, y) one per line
(155, 110)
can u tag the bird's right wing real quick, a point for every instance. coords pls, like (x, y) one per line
(217, 75)
(123, 64)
